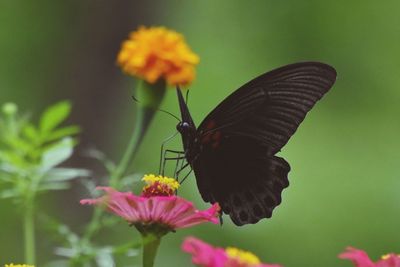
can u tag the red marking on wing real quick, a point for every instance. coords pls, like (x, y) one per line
(211, 124)
(206, 138)
(217, 136)
(214, 137)
(208, 135)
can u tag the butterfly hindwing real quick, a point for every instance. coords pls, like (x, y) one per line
(240, 175)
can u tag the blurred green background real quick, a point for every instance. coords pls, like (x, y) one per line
(344, 181)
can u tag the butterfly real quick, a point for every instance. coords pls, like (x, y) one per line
(233, 151)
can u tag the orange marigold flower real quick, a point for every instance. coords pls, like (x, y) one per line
(158, 53)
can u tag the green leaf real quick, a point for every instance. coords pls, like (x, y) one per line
(59, 231)
(100, 156)
(18, 144)
(14, 161)
(53, 186)
(104, 257)
(65, 174)
(56, 154)
(53, 116)
(31, 133)
(130, 180)
(63, 132)
(6, 173)
(8, 193)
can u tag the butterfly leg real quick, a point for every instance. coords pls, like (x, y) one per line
(177, 164)
(186, 176)
(180, 156)
(177, 171)
(162, 150)
(183, 166)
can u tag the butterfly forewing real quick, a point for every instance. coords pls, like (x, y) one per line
(271, 107)
(235, 146)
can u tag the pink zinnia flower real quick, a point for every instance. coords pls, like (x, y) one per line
(206, 255)
(157, 209)
(361, 259)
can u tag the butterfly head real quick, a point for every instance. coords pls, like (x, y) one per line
(188, 133)
(185, 128)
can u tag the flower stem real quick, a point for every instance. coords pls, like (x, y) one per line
(150, 245)
(29, 233)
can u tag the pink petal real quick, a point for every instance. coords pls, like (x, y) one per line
(203, 254)
(358, 257)
(192, 217)
(391, 260)
(172, 211)
(206, 255)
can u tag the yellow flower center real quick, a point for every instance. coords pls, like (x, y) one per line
(18, 265)
(159, 185)
(241, 256)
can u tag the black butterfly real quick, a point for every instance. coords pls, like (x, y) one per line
(233, 150)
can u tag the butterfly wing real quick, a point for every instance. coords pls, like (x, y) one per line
(236, 165)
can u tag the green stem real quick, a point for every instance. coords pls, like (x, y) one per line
(29, 232)
(150, 247)
(94, 224)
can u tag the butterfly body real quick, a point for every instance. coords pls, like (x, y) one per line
(233, 151)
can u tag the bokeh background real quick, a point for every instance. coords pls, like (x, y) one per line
(345, 156)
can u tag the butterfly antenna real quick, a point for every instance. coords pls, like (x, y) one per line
(158, 109)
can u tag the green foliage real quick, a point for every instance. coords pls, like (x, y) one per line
(29, 158)
(78, 251)
(30, 154)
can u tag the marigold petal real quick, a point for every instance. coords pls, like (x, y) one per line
(158, 53)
